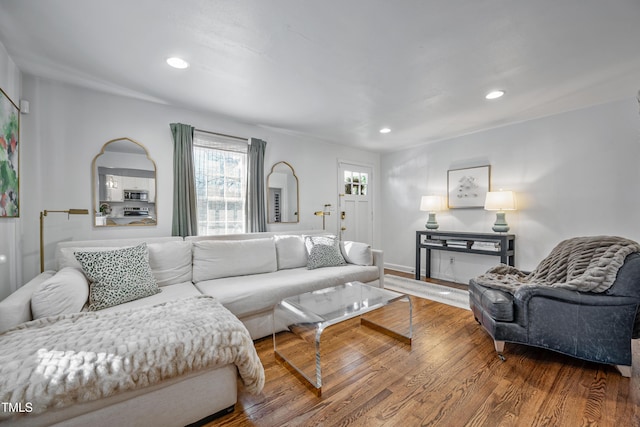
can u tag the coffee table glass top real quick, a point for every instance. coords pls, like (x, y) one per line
(333, 305)
(300, 320)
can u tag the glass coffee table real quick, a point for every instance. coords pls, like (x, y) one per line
(300, 320)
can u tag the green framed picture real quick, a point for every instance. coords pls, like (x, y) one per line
(9, 163)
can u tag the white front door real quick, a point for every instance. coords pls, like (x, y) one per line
(355, 207)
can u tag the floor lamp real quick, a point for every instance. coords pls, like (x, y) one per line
(42, 215)
(324, 213)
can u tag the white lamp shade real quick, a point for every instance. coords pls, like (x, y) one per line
(500, 201)
(431, 203)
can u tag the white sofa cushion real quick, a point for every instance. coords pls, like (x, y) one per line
(65, 292)
(118, 276)
(214, 259)
(169, 293)
(67, 256)
(290, 251)
(357, 253)
(170, 262)
(247, 295)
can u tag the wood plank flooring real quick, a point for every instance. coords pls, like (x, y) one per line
(449, 376)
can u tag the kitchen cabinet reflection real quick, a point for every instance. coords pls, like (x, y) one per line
(124, 185)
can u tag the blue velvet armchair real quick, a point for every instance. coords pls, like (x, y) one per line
(597, 327)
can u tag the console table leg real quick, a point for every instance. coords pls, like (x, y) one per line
(418, 256)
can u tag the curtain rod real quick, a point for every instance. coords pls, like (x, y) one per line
(222, 134)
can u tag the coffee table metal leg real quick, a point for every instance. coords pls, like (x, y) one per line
(403, 334)
(295, 371)
(382, 329)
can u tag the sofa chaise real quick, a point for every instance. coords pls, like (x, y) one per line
(247, 273)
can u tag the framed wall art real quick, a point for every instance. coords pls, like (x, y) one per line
(467, 188)
(9, 138)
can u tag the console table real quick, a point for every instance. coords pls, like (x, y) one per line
(502, 245)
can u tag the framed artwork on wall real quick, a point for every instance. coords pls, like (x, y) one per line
(467, 188)
(9, 137)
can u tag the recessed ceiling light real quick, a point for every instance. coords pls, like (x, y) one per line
(385, 130)
(176, 62)
(494, 94)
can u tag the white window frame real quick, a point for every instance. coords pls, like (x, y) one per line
(229, 156)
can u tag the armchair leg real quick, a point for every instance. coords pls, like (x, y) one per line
(499, 346)
(624, 370)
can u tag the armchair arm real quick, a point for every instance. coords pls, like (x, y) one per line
(525, 293)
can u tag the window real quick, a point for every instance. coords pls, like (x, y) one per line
(356, 183)
(220, 168)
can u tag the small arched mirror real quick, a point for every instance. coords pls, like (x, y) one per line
(124, 185)
(282, 199)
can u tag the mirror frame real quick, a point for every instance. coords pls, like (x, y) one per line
(94, 185)
(293, 171)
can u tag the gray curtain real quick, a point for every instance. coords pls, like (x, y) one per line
(185, 220)
(256, 209)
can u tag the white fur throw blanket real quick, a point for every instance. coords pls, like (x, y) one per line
(55, 362)
(586, 264)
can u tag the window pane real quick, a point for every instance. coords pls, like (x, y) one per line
(355, 183)
(220, 178)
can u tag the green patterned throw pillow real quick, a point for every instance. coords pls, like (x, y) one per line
(323, 251)
(117, 276)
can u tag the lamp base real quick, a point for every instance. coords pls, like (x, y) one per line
(432, 224)
(500, 226)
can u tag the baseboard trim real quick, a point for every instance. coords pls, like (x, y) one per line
(412, 270)
(401, 268)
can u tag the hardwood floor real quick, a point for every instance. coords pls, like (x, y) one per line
(449, 376)
(432, 280)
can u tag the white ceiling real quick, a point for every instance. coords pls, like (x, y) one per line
(340, 70)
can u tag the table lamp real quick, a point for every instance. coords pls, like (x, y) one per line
(500, 201)
(431, 204)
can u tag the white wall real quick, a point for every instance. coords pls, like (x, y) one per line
(10, 274)
(68, 125)
(575, 173)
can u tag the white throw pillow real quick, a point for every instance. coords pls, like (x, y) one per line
(65, 292)
(357, 253)
(323, 251)
(170, 262)
(213, 259)
(68, 255)
(291, 252)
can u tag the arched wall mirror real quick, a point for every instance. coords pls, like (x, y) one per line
(282, 197)
(124, 185)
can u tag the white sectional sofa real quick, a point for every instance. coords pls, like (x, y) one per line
(247, 273)
(278, 265)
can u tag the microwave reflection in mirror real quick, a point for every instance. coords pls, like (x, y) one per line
(136, 195)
